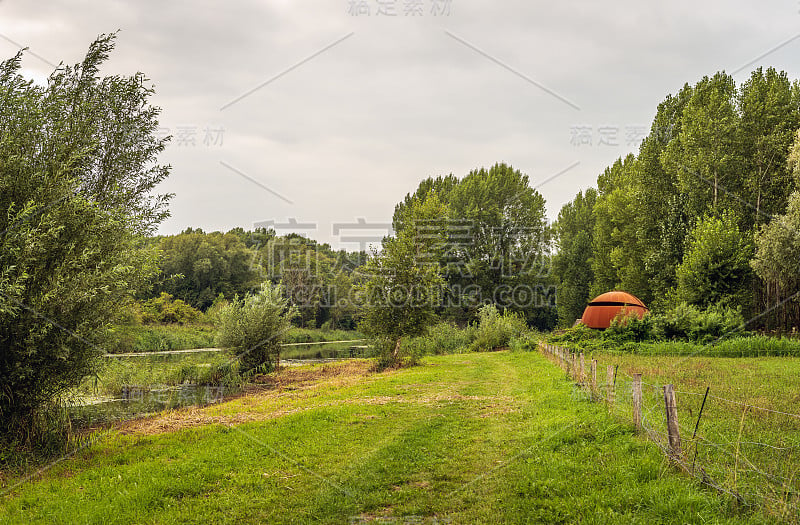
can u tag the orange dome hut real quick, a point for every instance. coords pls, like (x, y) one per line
(605, 307)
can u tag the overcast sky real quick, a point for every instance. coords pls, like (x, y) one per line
(328, 113)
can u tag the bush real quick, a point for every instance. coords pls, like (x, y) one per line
(442, 338)
(683, 324)
(526, 342)
(447, 338)
(165, 309)
(496, 330)
(688, 323)
(577, 334)
(79, 157)
(211, 315)
(255, 326)
(630, 328)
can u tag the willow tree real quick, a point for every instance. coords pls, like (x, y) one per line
(78, 164)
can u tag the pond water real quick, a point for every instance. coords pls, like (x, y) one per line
(137, 400)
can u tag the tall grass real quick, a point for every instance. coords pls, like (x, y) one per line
(218, 369)
(753, 346)
(442, 338)
(748, 438)
(311, 335)
(496, 330)
(153, 338)
(492, 331)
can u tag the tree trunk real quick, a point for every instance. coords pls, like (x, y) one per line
(758, 204)
(396, 352)
(716, 182)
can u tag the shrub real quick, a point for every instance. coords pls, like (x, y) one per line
(79, 157)
(629, 328)
(525, 343)
(254, 327)
(442, 338)
(496, 330)
(577, 334)
(447, 338)
(683, 324)
(211, 315)
(165, 309)
(689, 323)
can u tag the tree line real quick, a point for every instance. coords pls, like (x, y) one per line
(705, 214)
(198, 268)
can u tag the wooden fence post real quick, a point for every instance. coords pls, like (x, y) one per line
(637, 401)
(594, 379)
(673, 432)
(582, 378)
(574, 368)
(610, 389)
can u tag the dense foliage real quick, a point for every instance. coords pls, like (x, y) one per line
(196, 267)
(78, 164)
(681, 220)
(254, 327)
(716, 330)
(496, 246)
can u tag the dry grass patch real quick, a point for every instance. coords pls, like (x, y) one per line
(250, 403)
(267, 399)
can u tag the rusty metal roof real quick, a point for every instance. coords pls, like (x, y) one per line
(605, 307)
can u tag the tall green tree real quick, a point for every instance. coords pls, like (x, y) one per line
(78, 165)
(716, 267)
(707, 157)
(777, 263)
(196, 266)
(768, 103)
(503, 243)
(497, 243)
(572, 265)
(403, 282)
(660, 208)
(442, 186)
(617, 262)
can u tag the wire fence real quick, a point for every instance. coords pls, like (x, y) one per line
(749, 452)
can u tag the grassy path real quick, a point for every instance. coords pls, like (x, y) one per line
(471, 438)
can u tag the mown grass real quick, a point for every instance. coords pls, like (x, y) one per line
(748, 438)
(469, 438)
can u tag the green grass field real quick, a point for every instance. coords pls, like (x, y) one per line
(469, 438)
(747, 440)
